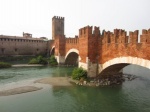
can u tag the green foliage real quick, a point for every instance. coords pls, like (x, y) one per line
(79, 73)
(33, 61)
(4, 65)
(42, 60)
(53, 61)
(38, 60)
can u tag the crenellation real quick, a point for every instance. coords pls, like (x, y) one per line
(86, 31)
(145, 37)
(144, 32)
(57, 26)
(133, 36)
(72, 40)
(112, 37)
(116, 32)
(148, 31)
(96, 31)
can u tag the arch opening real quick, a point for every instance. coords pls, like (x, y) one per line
(72, 59)
(52, 52)
(115, 69)
(116, 65)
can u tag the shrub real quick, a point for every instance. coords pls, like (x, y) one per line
(53, 61)
(42, 60)
(79, 73)
(38, 60)
(33, 61)
(4, 65)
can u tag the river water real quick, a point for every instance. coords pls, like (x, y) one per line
(131, 96)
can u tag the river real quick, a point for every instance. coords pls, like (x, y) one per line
(131, 96)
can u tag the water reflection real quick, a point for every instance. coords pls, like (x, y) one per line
(131, 96)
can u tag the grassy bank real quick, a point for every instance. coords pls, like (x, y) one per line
(4, 65)
(16, 59)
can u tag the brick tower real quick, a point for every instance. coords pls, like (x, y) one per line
(57, 26)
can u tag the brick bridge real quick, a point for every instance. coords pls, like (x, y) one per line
(105, 53)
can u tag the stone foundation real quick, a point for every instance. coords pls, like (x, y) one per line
(60, 59)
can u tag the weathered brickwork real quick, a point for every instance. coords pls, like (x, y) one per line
(57, 26)
(125, 45)
(96, 49)
(103, 47)
(26, 45)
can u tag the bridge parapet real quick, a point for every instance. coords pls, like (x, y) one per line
(95, 48)
(89, 31)
(145, 37)
(72, 40)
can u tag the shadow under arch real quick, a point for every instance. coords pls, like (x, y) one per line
(114, 69)
(114, 66)
(52, 51)
(72, 57)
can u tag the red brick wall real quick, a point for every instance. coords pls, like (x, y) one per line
(72, 43)
(60, 45)
(125, 48)
(109, 45)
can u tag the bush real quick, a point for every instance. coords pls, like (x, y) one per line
(42, 60)
(79, 73)
(33, 61)
(38, 60)
(4, 65)
(53, 61)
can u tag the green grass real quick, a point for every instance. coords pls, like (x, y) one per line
(4, 65)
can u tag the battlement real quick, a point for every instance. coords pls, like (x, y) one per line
(145, 37)
(119, 32)
(145, 32)
(58, 17)
(88, 30)
(72, 40)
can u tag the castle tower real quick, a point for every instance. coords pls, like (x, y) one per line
(57, 26)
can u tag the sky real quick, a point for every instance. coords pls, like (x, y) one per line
(35, 16)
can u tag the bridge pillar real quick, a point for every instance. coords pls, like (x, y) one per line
(60, 59)
(92, 68)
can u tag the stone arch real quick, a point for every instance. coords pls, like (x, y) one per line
(52, 51)
(116, 64)
(72, 57)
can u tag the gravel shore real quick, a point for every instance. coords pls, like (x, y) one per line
(19, 90)
(55, 81)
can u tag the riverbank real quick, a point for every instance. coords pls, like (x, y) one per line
(59, 81)
(25, 87)
(26, 65)
(19, 90)
(55, 81)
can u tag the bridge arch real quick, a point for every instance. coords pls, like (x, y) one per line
(72, 57)
(52, 51)
(117, 64)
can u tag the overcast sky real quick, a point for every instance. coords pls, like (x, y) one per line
(34, 16)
